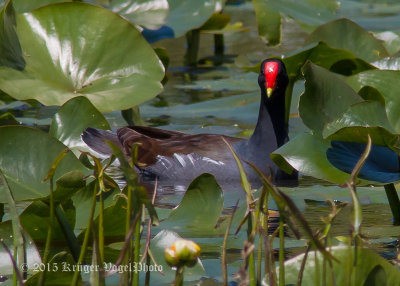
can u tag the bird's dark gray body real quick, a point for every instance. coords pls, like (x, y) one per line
(178, 157)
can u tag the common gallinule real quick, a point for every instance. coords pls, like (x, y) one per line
(176, 156)
(382, 164)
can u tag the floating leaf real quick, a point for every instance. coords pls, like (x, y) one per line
(60, 271)
(347, 35)
(32, 253)
(65, 49)
(22, 6)
(307, 154)
(268, 22)
(391, 41)
(309, 12)
(367, 261)
(325, 56)
(26, 155)
(386, 82)
(151, 14)
(198, 12)
(201, 206)
(325, 98)
(360, 120)
(73, 118)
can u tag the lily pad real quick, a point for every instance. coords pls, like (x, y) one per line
(26, 155)
(360, 120)
(386, 82)
(197, 11)
(309, 12)
(391, 41)
(68, 129)
(347, 35)
(201, 206)
(307, 154)
(151, 14)
(325, 56)
(325, 98)
(32, 253)
(22, 6)
(268, 21)
(365, 269)
(60, 271)
(66, 50)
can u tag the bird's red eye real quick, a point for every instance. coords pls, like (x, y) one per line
(271, 72)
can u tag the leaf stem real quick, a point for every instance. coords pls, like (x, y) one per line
(87, 234)
(281, 253)
(394, 202)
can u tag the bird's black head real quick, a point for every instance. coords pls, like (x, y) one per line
(273, 79)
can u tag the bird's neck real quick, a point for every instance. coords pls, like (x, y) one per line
(271, 122)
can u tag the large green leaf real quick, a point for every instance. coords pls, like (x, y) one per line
(325, 56)
(73, 118)
(309, 12)
(10, 49)
(35, 220)
(325, 98)
(22, 6)
(307, 154)
(360, 120)
(187, 15)
(201, 206)
(32, 253)
(366, 267)
(347, 35)
(60, 271)
(268, 22)
(386, 82)
(149, 13)
(74, 49)
(26, 155)
(391, 41)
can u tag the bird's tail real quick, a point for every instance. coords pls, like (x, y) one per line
(97, 139)
(382, 164)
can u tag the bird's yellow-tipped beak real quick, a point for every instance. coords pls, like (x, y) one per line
(269, 92)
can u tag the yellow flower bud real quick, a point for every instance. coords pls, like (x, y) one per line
(182, 253)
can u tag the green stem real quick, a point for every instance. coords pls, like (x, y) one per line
(219, 44)
(124, 278)
(136, 258)
(86, 238)
(19, 243)
(147, 278)
(281, 253)
(288, 101)
(259, 259)
(101, 228)
(49, 234)
(193, 41)
(179, 276)
(223, 256)
(72, 241)
(394, 202)
(252, 270)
